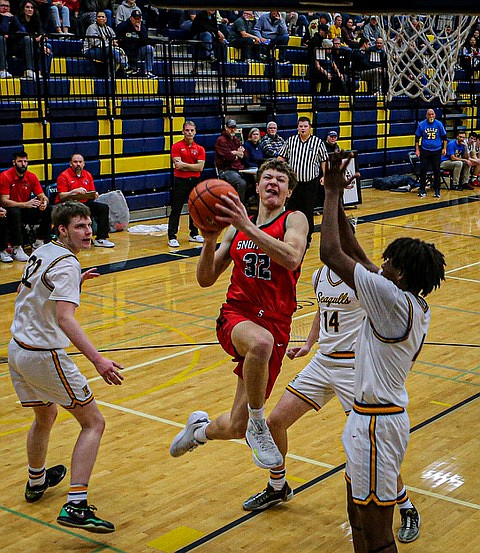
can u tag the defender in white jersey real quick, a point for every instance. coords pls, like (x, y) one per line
(330, 372)
(42, 373)
(376, 434)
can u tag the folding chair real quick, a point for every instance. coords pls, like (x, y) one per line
(444, 175)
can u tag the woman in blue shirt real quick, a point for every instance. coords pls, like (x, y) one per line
(253, 150)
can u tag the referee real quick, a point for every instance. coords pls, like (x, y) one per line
(307, 156)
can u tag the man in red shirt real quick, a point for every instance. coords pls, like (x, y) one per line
(77, 184)
(188, 162)
(22, 195)
(229, 155)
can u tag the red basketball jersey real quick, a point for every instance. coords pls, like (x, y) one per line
(260, 284)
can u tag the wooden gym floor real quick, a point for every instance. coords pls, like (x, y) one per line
(147, 312)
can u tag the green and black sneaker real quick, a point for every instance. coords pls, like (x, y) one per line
(53, 477)
(81, 515)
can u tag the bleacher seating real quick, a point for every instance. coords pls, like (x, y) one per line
(125, 127)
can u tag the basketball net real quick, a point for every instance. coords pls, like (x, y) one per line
(422, 53)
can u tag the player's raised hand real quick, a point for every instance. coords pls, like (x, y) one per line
(233, 211)
(336, 172)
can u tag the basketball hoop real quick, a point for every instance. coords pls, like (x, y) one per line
(422, 53)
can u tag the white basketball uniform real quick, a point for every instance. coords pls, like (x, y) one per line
(330, 372)
(377, 431)
(41, 371)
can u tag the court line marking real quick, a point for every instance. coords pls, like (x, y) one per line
(180, 425)
(307, 460)
(476, 281)
(101, 546)
(464, 267)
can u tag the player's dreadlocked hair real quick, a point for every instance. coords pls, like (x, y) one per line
(422, 265)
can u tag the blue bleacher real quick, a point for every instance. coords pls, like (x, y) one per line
(60, 129)
(141, 127)
(65, 150)
(145, 145)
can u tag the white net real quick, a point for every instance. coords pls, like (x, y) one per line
(422, 53)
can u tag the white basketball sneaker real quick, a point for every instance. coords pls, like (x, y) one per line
(264, 450)
(185, 441)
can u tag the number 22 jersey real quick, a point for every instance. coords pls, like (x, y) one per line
(52, 274)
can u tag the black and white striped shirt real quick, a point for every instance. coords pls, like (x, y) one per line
(305, 158)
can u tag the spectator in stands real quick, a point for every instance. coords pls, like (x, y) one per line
(474, 156)
(253, 149)
(241, 36)
(205, 29)
(272, 142)
(21, 194)
(9, 25)
(60, 14)
(335, 30)
(331, 142)
(77, 184)
(272, 26)
(307, 156)
(370, 64)
(315, 34)
(45, 10)
(100, 43)
(371, 30)
(342, 56)
(349, 34)
(90, 8)
(124, 11)
(188, 159)
(229, 158)
(469, 58)
(430, 145)
(76, 26)
(133, 38)
(324, 70)
(34, 45)
(456, 159)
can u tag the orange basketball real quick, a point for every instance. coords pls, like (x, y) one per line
(202, 203)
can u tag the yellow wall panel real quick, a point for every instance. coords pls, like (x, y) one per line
(82, 87)
(136, 86)
(295, 41)
(105, 167)
(38, 170)
(59, 66)
(33, 131)
(10, 87)
(256, 69)
(137, 164)
(281, 85)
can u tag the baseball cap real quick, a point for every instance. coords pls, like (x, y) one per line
(231, 123)
(136, 13)
(333, 133)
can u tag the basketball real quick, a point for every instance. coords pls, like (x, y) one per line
(202, 201)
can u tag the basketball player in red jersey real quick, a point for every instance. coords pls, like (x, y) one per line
(254, 322)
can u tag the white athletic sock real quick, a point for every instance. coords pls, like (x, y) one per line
(36, 477)
(403, 501)
(200, 434)
(277, 479)
(257, 414)
(77, 493)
